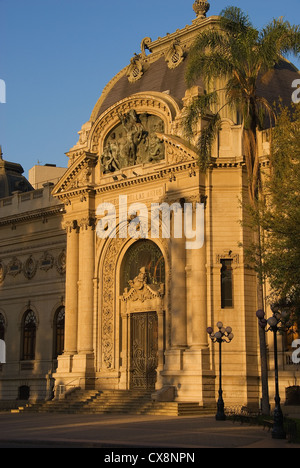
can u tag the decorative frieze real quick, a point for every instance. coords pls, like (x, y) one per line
(30, 266)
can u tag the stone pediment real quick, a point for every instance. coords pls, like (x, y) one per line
(177, 149)
(78, 176)
(148, 291)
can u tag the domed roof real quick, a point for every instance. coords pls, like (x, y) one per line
(12, 179)
(163, 70)
(159, 78)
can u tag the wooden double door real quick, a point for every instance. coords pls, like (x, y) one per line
(144, 350)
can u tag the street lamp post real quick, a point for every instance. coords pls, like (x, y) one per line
(223, 335)
(276, 323)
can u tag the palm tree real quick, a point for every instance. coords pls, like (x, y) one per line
(242, 57)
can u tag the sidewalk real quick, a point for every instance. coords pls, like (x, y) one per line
(129, 431)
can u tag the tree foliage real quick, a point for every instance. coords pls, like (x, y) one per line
(276, 258)
(280, 218)
(244, 56)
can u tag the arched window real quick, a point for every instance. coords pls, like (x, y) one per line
(59, 332)
(2, 327)
(143, 253)
(29, 326)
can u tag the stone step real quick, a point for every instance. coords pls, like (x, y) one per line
(115, 401)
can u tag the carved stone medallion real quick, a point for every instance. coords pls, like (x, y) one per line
(30, 267)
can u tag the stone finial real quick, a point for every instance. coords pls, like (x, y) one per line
(1, 154)
(201, 7)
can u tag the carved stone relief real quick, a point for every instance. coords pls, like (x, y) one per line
(61, 263)
(30, 267)
(14, 267)
(133, 141)
(46, 261)
(141, 290)
(108, 305)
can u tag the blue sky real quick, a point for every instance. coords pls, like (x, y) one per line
(56, 56)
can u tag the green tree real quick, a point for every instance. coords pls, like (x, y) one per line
(280, 215)
(243, 56)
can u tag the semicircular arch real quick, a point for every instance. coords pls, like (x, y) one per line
(157, 104)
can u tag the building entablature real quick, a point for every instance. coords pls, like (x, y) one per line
(30, 205)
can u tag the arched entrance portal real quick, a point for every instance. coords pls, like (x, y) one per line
(142, 312)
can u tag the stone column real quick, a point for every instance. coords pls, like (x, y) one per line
(86, 286)
(199, 298)
(64, 369)
(178, 292)
(71, 302)
(84, 360)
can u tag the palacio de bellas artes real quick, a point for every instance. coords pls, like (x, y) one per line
(113, 268)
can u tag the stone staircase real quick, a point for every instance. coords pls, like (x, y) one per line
(115, 401)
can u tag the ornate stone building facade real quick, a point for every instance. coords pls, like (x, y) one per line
(32, 285)
(137, 301)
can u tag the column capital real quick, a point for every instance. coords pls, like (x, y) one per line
(70, 225)
(87, 222)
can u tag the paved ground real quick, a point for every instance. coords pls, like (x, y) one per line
(128, 431)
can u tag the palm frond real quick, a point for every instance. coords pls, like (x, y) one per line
(234, 20)
(208, 57)
(243, 56)
(206, 139)
(201, 106)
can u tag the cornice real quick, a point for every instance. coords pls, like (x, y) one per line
(32, 215)
(163, 173)
(264, 161)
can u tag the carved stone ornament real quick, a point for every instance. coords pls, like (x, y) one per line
(175, 55)
(3, 271)
(14, 267)
(83, 135)
(146, 45)
(141, 290)
(30, 267)
(135, 69)
(134, 141)
(46, 261)
(108, 314)
(201, 8)
(61, 263)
